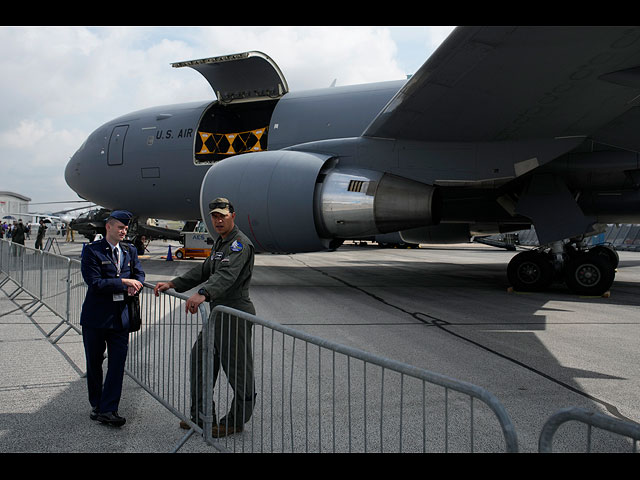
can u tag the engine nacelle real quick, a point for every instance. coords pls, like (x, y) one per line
(291, 201)
(273, 194)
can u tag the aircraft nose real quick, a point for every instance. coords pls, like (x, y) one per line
(77, 174)
(72, 172)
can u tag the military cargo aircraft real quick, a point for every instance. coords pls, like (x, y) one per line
(500, 129)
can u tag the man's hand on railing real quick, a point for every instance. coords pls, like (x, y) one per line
(162, 286)
(133, 285)
(193, 302)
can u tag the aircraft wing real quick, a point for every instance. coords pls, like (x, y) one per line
(34, 216)
(514, 83)
(61, 216)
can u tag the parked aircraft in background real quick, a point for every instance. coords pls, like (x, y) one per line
(57, 217)
(92, 223)
(501, 128)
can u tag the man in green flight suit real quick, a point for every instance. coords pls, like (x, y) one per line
(226, 274)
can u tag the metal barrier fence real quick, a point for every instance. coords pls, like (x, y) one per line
(301, 393)
(53, 281)
(314, 395)
(159, 357)
(590, 419)
(311, 395)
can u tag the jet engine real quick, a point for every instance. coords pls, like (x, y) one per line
(291, 201)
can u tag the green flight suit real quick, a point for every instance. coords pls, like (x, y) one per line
(226, 274)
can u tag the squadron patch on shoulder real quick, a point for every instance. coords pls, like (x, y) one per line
(236, 246)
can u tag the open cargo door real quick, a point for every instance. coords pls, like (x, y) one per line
(241, 77)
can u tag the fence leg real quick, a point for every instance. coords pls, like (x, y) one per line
(182, 441)
(207, 372)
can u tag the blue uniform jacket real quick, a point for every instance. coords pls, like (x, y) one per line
(99, 272)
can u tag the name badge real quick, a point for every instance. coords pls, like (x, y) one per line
(118, 297)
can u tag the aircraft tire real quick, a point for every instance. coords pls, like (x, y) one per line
(589, 274)
(608, 252)
(530, 272)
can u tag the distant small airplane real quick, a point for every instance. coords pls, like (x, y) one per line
(62, 216)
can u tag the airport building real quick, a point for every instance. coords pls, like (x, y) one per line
(12, 205)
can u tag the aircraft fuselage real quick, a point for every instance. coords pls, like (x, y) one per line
(153, 158)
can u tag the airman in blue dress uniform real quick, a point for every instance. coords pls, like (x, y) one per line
(112, 271)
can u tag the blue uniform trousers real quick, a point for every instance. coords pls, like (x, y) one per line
(105, 397)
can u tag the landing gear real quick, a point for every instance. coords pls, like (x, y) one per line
(608, 252)
(530, 271)
(584, 271)
(589, 273)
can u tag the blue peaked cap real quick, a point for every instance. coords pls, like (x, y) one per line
(122, 216)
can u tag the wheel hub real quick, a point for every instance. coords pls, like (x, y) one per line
(588, 275)
(529, 272)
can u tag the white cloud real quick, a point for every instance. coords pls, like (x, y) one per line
(312, 57)
(34, 155)
(37, 139)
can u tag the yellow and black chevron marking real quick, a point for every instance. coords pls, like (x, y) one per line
(232, 143)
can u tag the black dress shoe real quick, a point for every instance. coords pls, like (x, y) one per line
(111, 418)
(187, 426)
(94, 413)
(218, 431)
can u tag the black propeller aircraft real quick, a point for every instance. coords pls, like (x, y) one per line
(91, 223)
